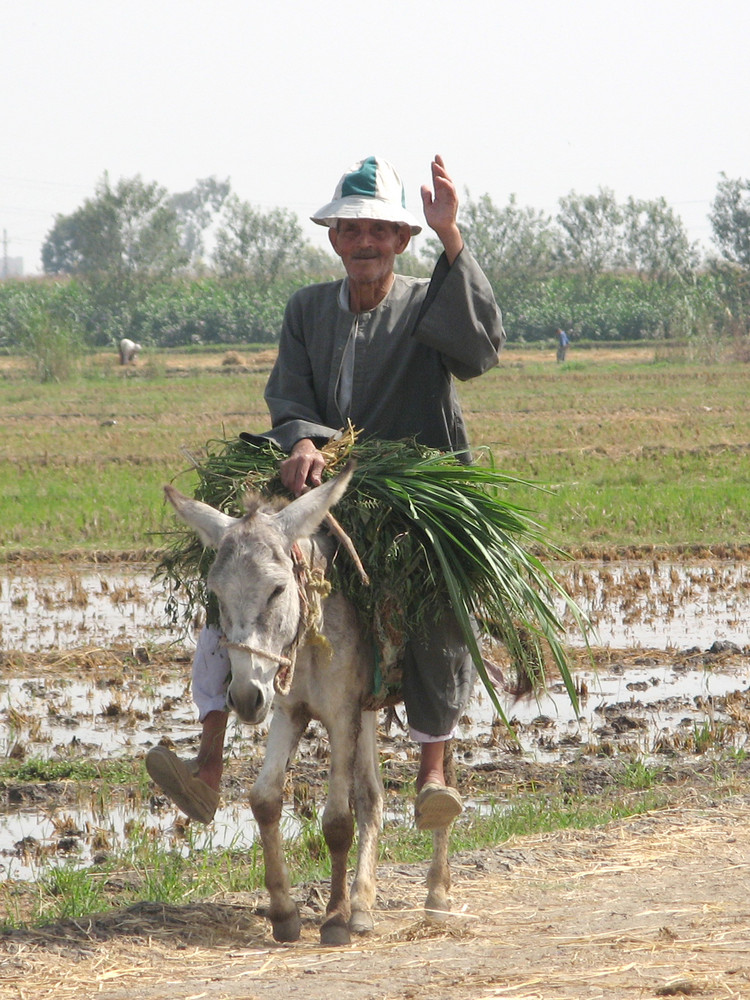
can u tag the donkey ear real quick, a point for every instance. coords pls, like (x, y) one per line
(208, 523)
(303, 515)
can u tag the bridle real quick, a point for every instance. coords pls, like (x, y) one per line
(311, 587)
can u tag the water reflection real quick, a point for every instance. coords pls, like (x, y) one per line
(657, 605)
(106, 605)
(661, 605)
(657, 697)
(58, 715)
(34, 841)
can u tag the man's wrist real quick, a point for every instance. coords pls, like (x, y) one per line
(453, 242)
(304, 446)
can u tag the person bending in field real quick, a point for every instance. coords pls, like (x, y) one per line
(380, 350)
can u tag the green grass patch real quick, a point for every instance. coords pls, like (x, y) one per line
(116, 771)
(636, 453)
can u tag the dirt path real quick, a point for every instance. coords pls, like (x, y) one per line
(656, 905)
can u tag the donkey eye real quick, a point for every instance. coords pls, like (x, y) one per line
(277, 592)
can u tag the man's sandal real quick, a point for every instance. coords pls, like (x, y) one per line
(436, 807)
(180, 782)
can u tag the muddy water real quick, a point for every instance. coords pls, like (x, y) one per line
(81, 608)
(654, 605)
(662, 605)
(643, 613)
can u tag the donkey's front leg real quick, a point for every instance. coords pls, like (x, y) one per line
(338, 826)
(266, 797)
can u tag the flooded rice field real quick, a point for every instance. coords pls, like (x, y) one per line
(91, 671)
(657, 605)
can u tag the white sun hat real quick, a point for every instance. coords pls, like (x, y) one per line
(371, 189)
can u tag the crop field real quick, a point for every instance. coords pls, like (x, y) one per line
(631, 451)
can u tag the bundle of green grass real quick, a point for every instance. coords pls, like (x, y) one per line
(430, 530)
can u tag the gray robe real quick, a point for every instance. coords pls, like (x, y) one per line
(406, 353)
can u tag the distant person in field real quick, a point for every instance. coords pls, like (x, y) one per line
(382, 350)
(562, 344)
(128, 351)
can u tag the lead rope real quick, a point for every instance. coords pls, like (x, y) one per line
(282, 682)
(245, 647)
(312, 587)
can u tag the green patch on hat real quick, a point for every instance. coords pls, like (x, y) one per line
(362, 182)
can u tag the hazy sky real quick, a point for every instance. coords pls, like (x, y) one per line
(535, 98)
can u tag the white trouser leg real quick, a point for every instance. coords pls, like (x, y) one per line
(420, 737)
(210, 672)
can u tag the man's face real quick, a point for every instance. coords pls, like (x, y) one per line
(368, 247)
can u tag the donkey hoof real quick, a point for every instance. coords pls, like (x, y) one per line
(437, 907)
(361, 922)
(333, 932)
(288, 929)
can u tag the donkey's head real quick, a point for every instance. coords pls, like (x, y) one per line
(255, 584)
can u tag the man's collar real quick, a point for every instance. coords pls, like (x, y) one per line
(344, 296)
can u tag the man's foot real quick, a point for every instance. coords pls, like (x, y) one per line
(436, 806)
(181, 783)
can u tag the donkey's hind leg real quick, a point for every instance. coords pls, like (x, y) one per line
(438, 901)
(368, 809)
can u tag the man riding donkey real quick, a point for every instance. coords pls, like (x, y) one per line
(379, 350)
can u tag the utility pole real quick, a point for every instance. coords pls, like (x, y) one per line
(5, 254)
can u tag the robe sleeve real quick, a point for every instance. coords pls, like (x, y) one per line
(460, 318)
(296, 409)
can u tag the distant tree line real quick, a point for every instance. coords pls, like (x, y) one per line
(203, 265)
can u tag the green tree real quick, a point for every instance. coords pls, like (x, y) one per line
(506, 240)
(264, 245)
(406, 263)
(44, 329)
(127, 229)
(730, 220)
(196, 209)
(591, 237)
(655, 240)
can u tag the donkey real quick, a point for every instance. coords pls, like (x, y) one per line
(310, 660)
